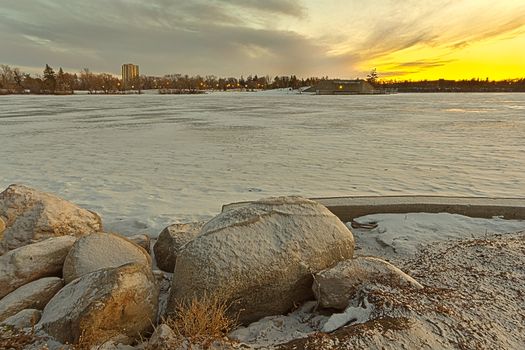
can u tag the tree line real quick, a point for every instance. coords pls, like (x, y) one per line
(443, 85)
(212, 82)
(13, 80)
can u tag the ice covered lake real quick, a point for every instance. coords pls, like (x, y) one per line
(146, 161)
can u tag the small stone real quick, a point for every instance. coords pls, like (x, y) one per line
(163, 338)
(34, 295)
(34, 261)
(23, 319)
(141, 240)
(171, 240)
(336, 286)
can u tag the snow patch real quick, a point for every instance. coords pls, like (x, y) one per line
(273, 330)
(401, 235)
(352, 314)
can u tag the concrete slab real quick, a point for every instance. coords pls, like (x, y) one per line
(348, 208)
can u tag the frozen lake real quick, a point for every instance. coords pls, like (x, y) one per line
(146, 161)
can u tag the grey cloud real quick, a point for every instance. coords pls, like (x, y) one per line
(285, 7)
(397, 73)
(435, 24)
(459, 45)
(194, 38)
(424, 63)
(404, 68)
(227, 37)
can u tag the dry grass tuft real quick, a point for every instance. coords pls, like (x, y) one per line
(202, 320)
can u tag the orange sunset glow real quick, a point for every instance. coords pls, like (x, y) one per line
(460, 39)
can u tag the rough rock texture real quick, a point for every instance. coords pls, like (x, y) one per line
(261, 256)
(162, 338)
(102, 304)
(23, 319)
(170, 241)
(34, 295)
(334, 287)
(117, 342)
(101, 250)
(141, 240)
(31, 262)
(111, 345)
(32, 216)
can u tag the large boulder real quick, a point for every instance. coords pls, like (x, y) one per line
(103, 304)
(170, 241)
(31, 216)
(102, 250)
(336, 286)
(33, 295)
(31, 262)
(261, 256)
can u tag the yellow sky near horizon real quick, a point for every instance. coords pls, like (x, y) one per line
(417, 40)
(495, 59)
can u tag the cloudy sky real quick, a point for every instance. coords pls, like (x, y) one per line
(339, 38)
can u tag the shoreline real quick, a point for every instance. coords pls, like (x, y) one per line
(406, 273)
(205, 92)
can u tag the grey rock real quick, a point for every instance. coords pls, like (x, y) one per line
(31, 262)
(162, 338)
(23, 319)
(170, 242)
(32, 216)
(103, 304)
(141, 240)
(262, 256)
(34, 295)
(99, 251)
(336, 286)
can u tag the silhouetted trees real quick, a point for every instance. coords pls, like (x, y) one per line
(49, 79)
(12, 80)
(372, 77)
(466, 85)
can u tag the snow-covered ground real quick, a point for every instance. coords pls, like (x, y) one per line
(144, 161)
(399, 238)
(401, 235)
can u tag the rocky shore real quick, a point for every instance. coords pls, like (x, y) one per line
(279, 273)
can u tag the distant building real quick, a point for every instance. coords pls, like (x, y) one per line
(342, 87)
(129, 74)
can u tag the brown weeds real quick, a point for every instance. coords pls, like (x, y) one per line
(202, 320)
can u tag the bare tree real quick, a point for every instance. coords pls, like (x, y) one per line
(6, 77)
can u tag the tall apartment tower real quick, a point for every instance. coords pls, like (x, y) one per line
(129, 73)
